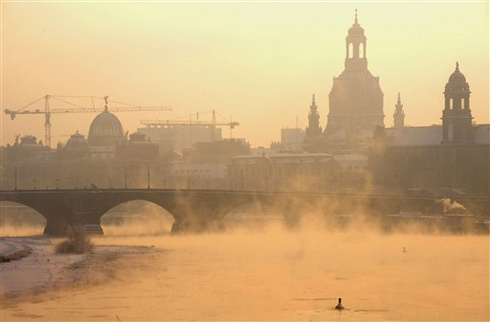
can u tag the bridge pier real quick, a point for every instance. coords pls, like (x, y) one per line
(60, 228)
(55, 227)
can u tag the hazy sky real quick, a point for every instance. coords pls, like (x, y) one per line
(257, 62)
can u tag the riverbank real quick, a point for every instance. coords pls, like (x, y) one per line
(31, 266)
(11, 250)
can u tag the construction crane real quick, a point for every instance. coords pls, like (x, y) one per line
(180, 121)
(76, 108)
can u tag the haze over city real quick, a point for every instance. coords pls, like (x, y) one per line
(256, 63)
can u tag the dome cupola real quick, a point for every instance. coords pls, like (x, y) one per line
(355, 47)
(356, 29)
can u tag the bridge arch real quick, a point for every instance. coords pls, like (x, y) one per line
(135, 217)
(254, 215)
(18, 219)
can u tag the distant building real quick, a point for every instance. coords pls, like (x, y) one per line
(216, 152)
(455, 154)
(296, 172)
(137, 148)
(292, 139)
(178, 137)
(106, 159)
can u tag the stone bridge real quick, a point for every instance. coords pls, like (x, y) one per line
(195, 210)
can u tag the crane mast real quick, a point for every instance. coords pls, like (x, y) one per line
(47, 123)
(74, 108)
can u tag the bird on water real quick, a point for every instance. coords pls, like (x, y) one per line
(339, 306)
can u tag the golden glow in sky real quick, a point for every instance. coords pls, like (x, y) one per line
(257, 63)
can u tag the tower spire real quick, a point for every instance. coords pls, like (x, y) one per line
(355, 22)
(399, 115)
(457, 66)
(314, 129)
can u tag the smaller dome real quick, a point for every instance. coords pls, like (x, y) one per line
(356, 28)
(457, 76)
(77, 141)
(28, 140)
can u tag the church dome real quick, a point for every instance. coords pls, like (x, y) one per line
(457, 76)
(77, 141)
(105, 130)
(457, 82)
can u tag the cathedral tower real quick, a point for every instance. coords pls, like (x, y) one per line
(456, 116)
(399, 115)
(356, 99)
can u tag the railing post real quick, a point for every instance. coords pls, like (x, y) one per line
(15, 177)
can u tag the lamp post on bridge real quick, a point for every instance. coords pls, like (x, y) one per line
(15, 179)
(125, 177)
(148, 175)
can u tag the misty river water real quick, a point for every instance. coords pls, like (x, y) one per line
(277, 275)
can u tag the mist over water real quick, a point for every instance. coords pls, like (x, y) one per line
(275, 273)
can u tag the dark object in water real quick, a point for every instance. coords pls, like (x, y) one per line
(404, 249)
(339, 306)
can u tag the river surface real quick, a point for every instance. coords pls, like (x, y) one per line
(279, 275)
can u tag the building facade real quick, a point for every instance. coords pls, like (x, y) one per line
(453, 155)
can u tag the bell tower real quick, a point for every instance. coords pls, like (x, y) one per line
(456, 116)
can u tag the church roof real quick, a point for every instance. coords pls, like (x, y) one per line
(431, 135)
